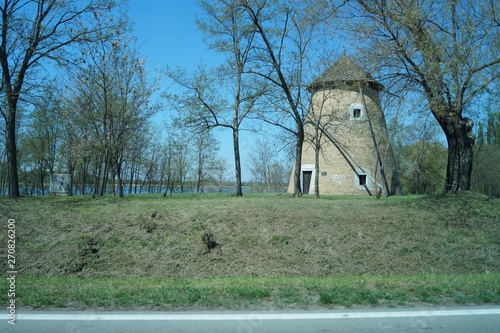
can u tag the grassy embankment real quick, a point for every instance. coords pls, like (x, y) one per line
(272, 251)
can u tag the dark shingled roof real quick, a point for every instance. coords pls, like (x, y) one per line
(343, 71)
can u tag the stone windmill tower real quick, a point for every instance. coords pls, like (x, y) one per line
(346, 136)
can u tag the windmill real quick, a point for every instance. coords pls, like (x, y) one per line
(347, 149)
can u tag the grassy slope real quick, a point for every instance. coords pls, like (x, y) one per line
(260, 236)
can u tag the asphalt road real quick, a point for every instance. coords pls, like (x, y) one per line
(456, 319)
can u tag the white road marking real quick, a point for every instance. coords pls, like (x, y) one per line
(254, 316)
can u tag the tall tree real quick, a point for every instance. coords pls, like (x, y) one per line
(115, 95)
(446, 50)
(43, 135)
(262, 158)
(287, 31)
(220, 171)
(205, 148)
(266, 168)
(493, 129)
(228, 33)
(319, 119)
(420, 155)
(32, 31)
(486, 172)
(183, 160)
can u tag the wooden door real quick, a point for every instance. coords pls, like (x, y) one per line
(306, 181)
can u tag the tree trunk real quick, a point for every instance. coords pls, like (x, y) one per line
(12, 154)
(120, 181)
(200, 170)
(236, 133)
(113, 181)
(316, 166)
(136, 180)
(97, 177)
(298, 161)
(41, 179)
(85, 167)
(167, 185)
(104, 175)
(237, 161)
(131, 178)
(460, 153)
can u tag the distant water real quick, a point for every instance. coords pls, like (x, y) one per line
(147, 190)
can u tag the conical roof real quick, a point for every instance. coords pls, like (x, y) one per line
(343, 71)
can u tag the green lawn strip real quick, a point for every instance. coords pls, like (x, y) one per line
(237, 293)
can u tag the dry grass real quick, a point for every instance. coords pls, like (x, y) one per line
(257, 235)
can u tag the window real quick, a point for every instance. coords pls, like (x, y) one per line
(356, 112)
(363, 179)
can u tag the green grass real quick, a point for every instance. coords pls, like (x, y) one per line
(273, 251)
(259, 292)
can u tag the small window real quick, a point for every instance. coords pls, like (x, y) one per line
(362, 180)
(323, 173)
(356, 112)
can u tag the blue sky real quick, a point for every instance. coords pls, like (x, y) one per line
(169, 31)
(168, 34)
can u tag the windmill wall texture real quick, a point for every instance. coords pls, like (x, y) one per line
(346, 115)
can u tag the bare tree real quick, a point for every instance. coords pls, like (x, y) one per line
(486, 172)
(320, 118)
(261, 159)
(179, 158)
(420, 155)
(287, 29)
(114, 97)
(265, 167)
(446, 50)
(226, 32)
(33, 31)
(220, 170)
(44, 131)
(205, 148)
